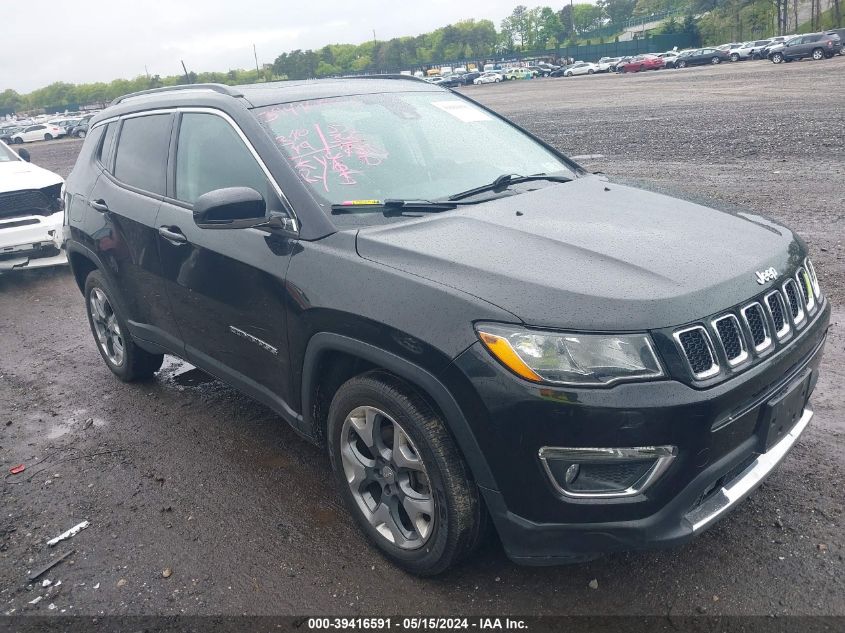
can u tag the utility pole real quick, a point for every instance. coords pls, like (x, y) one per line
(255, 54)
(374, 50)
(187, 76)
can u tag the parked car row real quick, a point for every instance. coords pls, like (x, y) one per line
(27, 131)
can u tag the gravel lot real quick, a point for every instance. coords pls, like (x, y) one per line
(185, 474)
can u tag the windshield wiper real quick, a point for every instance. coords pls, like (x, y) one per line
(503, 182)
(395, 205)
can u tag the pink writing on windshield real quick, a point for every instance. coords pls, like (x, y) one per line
(334, 155)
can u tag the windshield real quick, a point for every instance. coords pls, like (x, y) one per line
(409, 146)
(7, 155)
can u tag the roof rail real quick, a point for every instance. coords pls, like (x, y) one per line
(221, 88)
(385, 76)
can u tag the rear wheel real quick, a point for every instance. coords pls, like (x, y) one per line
(81, 134)
(715, 60)
(591, 71)
(681, 64)
(126, 360)
(818, 54)
(734, 57)
(18, 140)
(48, 137)
(401, 475)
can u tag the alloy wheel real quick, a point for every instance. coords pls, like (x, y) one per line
(818, 54)
(106, 327)
(387, 477)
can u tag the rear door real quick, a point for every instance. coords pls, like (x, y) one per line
(124, 202)
(227, 287)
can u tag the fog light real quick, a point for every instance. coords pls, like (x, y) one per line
(605, 472)
(571, 473)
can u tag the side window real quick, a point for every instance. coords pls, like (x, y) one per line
(104, 151)
(210, 155)
(142, 152)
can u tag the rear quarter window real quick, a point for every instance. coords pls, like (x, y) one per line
(142, 148)
(104, 148)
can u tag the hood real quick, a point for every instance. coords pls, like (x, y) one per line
(591, 255)
(16, 175)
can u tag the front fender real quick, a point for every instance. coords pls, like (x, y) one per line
(324, 342)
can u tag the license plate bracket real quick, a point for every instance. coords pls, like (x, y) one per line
(782, 411)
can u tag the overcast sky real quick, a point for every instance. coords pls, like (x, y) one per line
(100, 40)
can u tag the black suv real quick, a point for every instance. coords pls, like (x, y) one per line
(815, 45)
(479, 331)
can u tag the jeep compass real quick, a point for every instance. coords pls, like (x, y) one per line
(480, 333)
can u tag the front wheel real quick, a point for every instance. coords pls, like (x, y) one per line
(401, 475)
(681, 64)
(734, 57)
(81, 134)
(123, 357)
(777, 58)
(18, 141)
(715, 61)
(818, 54)
(591, 72)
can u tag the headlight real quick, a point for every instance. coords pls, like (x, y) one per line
(577, 359)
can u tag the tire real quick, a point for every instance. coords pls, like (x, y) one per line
(818, 54)
(734, 57)
(383, 409)
(81, 134)
(497, 80)
(126, 360)
(591, 72)
(48, 137)
(18, 140)
(715, 61)
(777, 58)
(681, 64)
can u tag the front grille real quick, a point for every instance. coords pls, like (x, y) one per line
(22, 203)
(727, 328)
(756, 322)
(775, 303)
(696, 345)
(805, 283)
(721, 346)
(794, 302)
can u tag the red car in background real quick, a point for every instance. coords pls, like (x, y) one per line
(641, 62)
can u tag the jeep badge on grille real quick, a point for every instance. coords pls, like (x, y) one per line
(770, 274)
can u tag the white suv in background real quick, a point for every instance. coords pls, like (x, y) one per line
(40, 132)
(30, 213)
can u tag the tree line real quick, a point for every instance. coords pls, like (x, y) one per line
(538, 29)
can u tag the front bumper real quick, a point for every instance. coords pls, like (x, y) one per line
(721, 454)
(31, 242)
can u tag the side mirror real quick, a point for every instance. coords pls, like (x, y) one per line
(24, 154)
(230, 208)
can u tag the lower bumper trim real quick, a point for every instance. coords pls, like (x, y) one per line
(748, 480)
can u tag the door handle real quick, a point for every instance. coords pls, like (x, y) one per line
(172, 234)
(99, 205)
